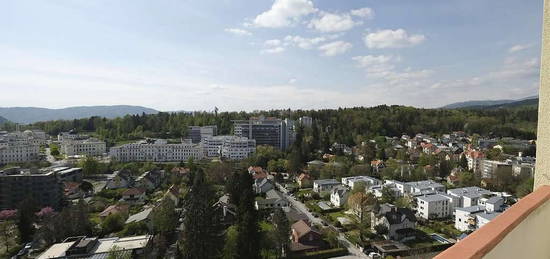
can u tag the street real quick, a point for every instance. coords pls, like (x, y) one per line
(353, 250)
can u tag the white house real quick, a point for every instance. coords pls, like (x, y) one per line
(338, 196)
(432, 206)
(352, 180)
(324, 185)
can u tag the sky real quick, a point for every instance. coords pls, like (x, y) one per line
(244, 55)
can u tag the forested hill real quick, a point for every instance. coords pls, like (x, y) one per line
(33, 114)
(3, 120)
(349, 125)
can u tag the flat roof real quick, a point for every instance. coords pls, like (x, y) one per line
(56, 250)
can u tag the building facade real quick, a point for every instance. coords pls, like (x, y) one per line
(43, 188)
(87, 147)
(199, 133)
(266, 131)
(156, 151)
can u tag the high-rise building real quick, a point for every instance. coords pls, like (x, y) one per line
(198, 133)
(16, 185)
(266, 131)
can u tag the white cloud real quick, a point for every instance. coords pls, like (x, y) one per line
(306, 43)
(519, 47)
(272, 43)
(376, 66)
(292, 81)
(370, 60)
(274, 50)
(392, 39)
(366, 13)
(237, 31)
(335, 48)
(330, 22)
(284, 13)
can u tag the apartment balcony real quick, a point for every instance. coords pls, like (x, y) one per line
(522, 231)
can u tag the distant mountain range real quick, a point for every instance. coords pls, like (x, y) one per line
(494, 104)
(27, 115)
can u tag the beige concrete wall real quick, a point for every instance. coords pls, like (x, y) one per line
(542, 173)
(530, 239)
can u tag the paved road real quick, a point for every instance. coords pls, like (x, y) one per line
(353, 250)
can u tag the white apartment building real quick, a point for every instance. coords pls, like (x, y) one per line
(467, 196)
(432, 206)
(472, 218)
(18, 152)
(417, 187)
(230, 147)
(339, 196)
(88, 147)
(352, 180)
(237, 148)
(157, 151)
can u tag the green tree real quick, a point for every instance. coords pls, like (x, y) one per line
(247, 223)
(201, 228)
(164, 217)
(282, 232)
(388, 195)
(230, 247)
(90, 166)
(113, 223)
(25, 219)
(525, 187)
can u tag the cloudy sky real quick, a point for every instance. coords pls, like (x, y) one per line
(267, 54)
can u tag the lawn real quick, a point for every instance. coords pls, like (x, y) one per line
(445, 228)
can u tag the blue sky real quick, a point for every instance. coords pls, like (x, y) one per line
(265, 54)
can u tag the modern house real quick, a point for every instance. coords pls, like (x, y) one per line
(439, 205)
(324, 185)
(92, 247)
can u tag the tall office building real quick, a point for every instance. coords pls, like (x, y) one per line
(198, 133)
(266, 131)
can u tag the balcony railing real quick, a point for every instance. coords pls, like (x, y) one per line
(522, 231)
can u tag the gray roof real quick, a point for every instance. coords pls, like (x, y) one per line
(472, 209)
(493, 200)
(470, 192)
(488, 216)
(434, 197)
(140, 216)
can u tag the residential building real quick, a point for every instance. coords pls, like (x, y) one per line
(118, 180)
(87, 147)
(237, 148)
(266, 131)
(156, 151)
(492, 204)
(433, 206)
(273, 200)
(523, 169)
(367, 180)
(134, 195)
(324, 185)
(262, 185)
(399, 222)
(406, 188)
(472, 218)
(92, 247)
(467, 196)
(475, 159)
(70, 135)
(490, 168)
(305, 238)
(150, 180)
(339, 196)
(199, 133)
(18, 151)
(16, 185)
